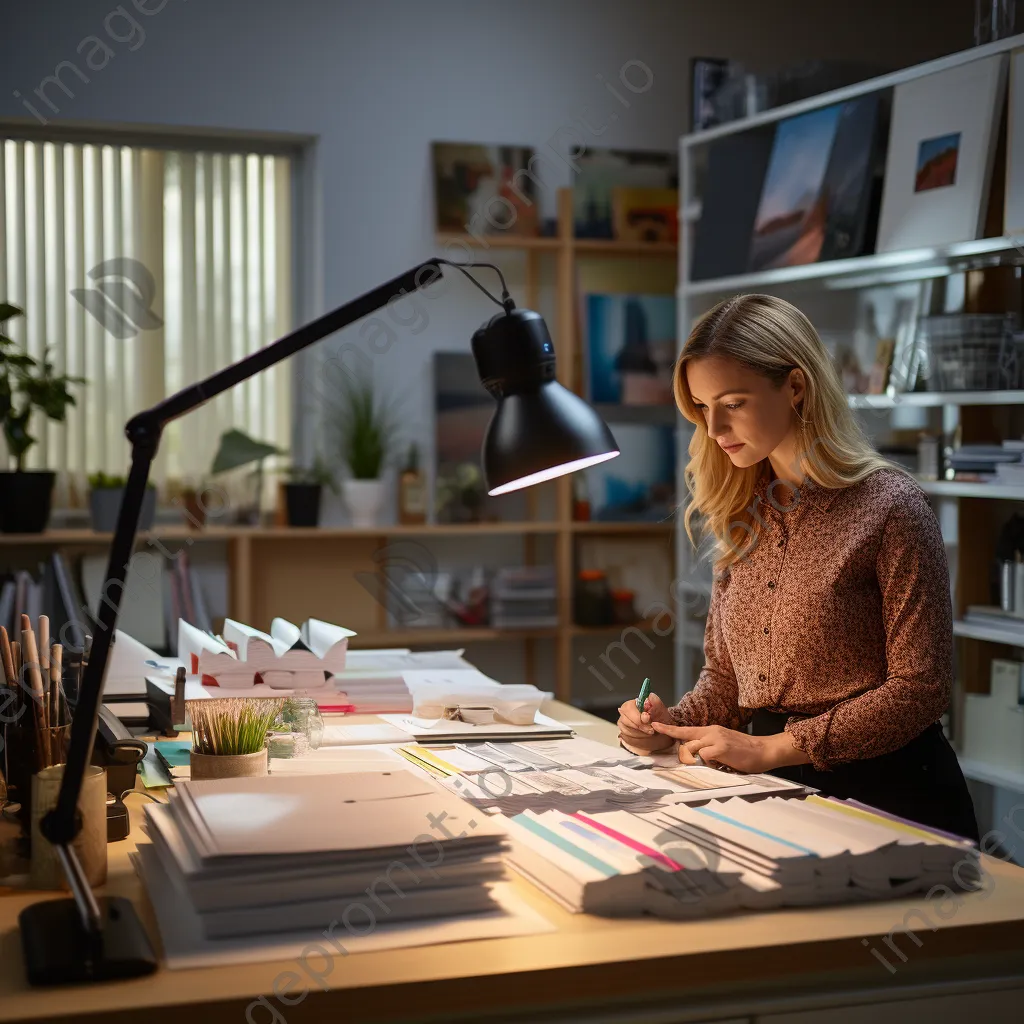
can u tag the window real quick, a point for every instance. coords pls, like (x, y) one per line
(144, 270)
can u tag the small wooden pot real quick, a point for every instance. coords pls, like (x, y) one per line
(229, 766)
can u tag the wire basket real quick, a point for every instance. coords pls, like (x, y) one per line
(971, 351)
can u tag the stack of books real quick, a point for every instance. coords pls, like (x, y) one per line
(254, 857)
(682, 861)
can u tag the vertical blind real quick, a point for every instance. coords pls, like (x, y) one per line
(143, 270)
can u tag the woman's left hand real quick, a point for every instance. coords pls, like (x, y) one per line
(738, 750)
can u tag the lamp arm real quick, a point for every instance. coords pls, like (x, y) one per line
(61, 825)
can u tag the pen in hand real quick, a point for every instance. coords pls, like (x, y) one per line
(641, 700)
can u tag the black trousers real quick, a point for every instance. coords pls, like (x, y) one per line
(921, 781)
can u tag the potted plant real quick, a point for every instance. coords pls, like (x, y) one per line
(105, 495)
(229, 735)
(303, 490)
(366, 430)
(27, 385)
(236, 450)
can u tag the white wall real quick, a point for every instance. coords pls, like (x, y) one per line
(376, 81)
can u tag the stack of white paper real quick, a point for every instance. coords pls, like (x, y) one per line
(259, 856)
(684, 861)
(442, 730)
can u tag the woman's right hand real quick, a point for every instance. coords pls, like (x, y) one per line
(635, 728)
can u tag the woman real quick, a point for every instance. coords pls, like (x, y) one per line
(829, 632)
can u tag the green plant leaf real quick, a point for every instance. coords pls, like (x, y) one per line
(8, 310)
(238, 449)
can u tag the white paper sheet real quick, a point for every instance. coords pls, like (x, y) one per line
(185, 946)
(344, 735)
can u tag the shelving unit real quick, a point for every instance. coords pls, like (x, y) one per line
(969, 531)
(567, 251)
(342, 574)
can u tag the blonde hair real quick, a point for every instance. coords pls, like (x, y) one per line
(772, 337)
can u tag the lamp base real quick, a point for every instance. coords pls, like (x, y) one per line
(58, 950)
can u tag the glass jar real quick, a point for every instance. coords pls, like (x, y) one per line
(623, 606)
(299, 728)
(593, 599)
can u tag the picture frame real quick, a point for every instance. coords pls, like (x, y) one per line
(1013, 200)
(941, 150)
(481, 188)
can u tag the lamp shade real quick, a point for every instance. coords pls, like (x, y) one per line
(540, 430)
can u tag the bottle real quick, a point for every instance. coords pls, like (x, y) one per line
(580, 498)
(412, 491)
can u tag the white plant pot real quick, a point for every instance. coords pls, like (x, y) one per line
(364, 499)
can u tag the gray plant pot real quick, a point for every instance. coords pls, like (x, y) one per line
(105, 504)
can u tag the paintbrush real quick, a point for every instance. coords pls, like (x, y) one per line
(31, 655)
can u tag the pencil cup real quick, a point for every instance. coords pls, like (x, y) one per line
(91, 842)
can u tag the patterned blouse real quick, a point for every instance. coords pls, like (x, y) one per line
(841, 612)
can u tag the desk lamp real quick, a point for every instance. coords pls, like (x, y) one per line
(539, 431)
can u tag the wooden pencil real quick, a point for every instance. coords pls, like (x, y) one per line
(56, 675)
(31, 667)
(7, 656)
(44, 669)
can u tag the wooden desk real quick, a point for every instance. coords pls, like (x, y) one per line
(785, 967)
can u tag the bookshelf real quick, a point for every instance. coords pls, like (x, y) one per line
(316, 571)
(567, 252)
(970, 512)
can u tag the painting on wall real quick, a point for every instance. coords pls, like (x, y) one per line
(936, 162)
(640, 483)
(478, 188)
(603, 170)
(630, 348)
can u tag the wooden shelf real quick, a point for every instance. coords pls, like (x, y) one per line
(465, 635)
(614, 248)
(311, 533)
(500, 241)
(608, 247)
(644, 625)
(597, 527)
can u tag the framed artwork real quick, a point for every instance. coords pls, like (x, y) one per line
(601, 170)
(640, 483)
(816, 199)
(736, 168)
(630, 348)
(707, 75)
(1013, 217)
(789, 228)
(853, 179)
(939, 164)
(479, 187)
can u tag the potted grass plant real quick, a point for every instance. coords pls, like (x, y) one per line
(27, 386)
(366, 429)
(229, 735)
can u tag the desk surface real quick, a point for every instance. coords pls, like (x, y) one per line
(715, 966)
